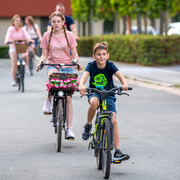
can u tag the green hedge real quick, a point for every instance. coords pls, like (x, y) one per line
(140, 49)
(4, 52)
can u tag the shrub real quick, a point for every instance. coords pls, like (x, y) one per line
(4, 52)
(140, 49)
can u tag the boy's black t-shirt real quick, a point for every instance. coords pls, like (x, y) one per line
(101, 78)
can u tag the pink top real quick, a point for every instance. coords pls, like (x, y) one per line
(13, 34)
(59, 52)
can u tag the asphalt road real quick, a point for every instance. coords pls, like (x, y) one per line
(149, 125)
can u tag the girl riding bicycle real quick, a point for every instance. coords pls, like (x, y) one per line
(16, 32)
(56, 47)
(101, 72)
(35, 34)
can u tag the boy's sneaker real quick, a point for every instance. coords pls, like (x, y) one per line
(47, 106)
(119, 156)
(13, 83)
(69, 134)
(87, 128)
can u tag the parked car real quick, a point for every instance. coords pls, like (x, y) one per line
(174, 28)
(150, 30)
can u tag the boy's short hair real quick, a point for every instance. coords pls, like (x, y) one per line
(100, 45)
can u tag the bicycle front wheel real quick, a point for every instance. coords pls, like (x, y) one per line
(22, 77)
(106, 149)
(31, 64)
(59, 124)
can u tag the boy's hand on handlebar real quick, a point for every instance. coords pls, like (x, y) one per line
(82, 90)
(125, 87)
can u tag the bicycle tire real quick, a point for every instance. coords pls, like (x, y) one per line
(59, 124)
(98, 154)
(22, 77)
(31, 64)
(18, 80)
(106, 149)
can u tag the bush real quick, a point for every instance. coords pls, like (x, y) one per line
(4, 52)
(140, 49)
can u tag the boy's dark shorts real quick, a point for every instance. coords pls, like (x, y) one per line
(110, 100)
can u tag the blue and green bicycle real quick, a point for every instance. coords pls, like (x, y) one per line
(102, 139)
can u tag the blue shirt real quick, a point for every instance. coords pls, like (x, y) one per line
(68, 21)
(101, 78)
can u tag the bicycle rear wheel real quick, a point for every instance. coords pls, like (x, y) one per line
(106, 149)
(59, 124)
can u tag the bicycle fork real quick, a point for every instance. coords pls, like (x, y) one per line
(96, 143)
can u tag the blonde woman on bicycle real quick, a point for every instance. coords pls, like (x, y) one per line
(15, 32)
(56, 47)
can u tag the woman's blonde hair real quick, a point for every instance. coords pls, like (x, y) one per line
(13, 19)
(56, 13)
(100, 45)
(30, 20)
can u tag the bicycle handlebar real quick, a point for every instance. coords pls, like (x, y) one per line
(17, 42)
(74, 63)
(91, 91)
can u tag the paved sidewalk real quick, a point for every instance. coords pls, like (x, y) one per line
(164, 75)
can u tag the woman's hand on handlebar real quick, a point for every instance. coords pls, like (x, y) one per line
(79, 67)
(39, 66)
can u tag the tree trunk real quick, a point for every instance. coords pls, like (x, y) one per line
(145, 23)
(84, 29)
(139, 23)
(128, 23)
(166, 21)
(161, 22)
(91, 19)
(116, 23)
(153, 24)
(124, 24)
(79, 27)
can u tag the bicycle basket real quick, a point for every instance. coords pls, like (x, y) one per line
(63, 76)
(64, 81)
(21, 48)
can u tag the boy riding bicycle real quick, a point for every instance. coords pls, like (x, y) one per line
(101, 76)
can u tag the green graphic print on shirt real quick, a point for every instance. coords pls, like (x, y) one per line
(100, 81)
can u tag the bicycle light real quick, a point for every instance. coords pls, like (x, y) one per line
(60, 93)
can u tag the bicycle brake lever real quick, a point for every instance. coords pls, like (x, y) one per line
(119, 93)
(125, 94)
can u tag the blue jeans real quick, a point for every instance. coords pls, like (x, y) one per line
(65, 70)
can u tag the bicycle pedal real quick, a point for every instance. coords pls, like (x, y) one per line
(47, 113)
(91, 145)
(116, 161)
(70, 138)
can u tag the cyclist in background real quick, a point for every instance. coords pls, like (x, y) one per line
(102, 69)
(16, 32)
(56, 46)
(69, 22)
(35, 34)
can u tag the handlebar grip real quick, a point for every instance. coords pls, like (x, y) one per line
(130, 88)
